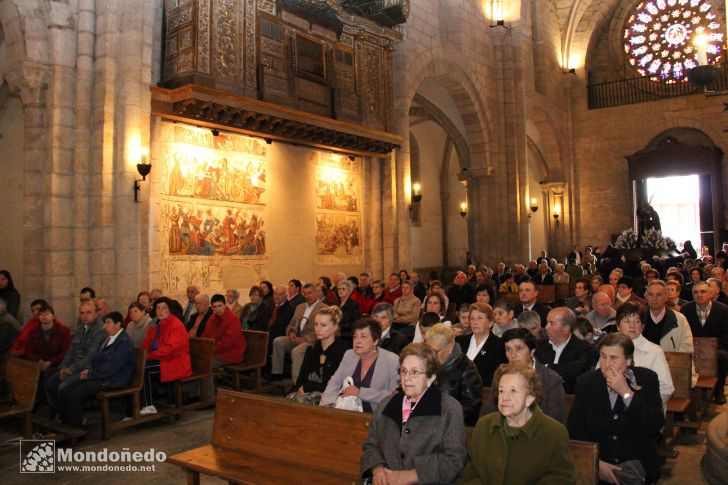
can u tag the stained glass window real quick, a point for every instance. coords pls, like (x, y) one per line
(660, 36)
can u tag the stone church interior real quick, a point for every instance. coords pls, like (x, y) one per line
(490, 233)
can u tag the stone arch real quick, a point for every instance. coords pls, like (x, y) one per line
(459, 84)
(587, 17)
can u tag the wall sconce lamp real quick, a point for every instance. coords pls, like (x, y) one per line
(416, 198)
(496, 14)
(463, 209)
(143, 168)
(416, 193)
(556, 214)
(533, 207)
(215, 132)
(571, 70)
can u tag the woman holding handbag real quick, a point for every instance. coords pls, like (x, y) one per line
(374, 371)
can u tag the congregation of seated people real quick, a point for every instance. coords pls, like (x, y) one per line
(391, 343)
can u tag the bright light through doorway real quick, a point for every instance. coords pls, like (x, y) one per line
(676, 200)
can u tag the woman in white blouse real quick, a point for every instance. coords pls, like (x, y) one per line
(482, 347)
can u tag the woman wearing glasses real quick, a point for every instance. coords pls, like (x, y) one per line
(418, 434)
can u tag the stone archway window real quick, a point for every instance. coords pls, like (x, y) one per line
(659, 37)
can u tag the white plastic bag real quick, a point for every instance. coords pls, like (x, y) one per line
(351, 403)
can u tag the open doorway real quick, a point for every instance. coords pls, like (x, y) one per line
(677, 202)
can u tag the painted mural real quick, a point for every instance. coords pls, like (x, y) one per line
(338, 226)
(213, 194)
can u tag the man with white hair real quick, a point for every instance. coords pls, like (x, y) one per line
(190, 308)
(602, 315)
(231, 300)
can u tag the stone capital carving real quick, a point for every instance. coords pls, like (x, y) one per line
(29, 81)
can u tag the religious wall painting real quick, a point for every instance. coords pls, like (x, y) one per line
(226, 167)
(338, 238)
(213, 195)
(337, 183)
(198, 229)
(338, 208)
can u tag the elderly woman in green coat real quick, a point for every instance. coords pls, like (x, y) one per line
(519, 444)
(418, 434)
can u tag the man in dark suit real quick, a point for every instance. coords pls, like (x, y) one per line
(564, 353)
(619, 407)
(281, 314)
(528, 294)
(575, 256)
(544, 276)
(391, 339)
(717, 287)
(112, 365)
(350, 310)
(709, 318)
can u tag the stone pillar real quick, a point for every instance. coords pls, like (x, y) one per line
(30, 82)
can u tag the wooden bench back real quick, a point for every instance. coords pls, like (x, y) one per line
(23, 376)
(546, 293)
(511, 297)
(585, 456)
(680, 364)
(327, 439)
(137, 381)
(256, 350)
(706, 356)
(202, 351)
(586, 459)
(562, 291)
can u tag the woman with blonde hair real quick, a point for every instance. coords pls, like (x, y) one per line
(322, 358)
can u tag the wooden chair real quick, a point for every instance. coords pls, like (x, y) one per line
(256, 356)
(259, 439)
(133, 392)
(23, 377)
(546, 294)
(562, 291)
(706, 364)
(680, 364)
(202, 351)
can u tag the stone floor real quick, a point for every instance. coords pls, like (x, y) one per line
(195, 429)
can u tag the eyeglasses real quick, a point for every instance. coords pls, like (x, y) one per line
(410, 372)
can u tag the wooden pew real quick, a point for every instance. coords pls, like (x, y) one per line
(256, 356)
(546, 294)
(202, 351)
(511, 297)
(706, 364)
(22, 376)
(259, 439)
(680, 364)
(562, 291)
(133, 392)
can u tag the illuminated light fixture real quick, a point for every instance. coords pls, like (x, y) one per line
(534, 205)
(496, 14)
(215, 132)
(463, 209)
(143, 168)
(416, 193)
(556, 214)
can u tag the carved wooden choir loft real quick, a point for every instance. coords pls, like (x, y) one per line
(311, 72)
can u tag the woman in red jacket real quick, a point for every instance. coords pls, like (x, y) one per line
(47, 343)
(168, 352)
(224, 328)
